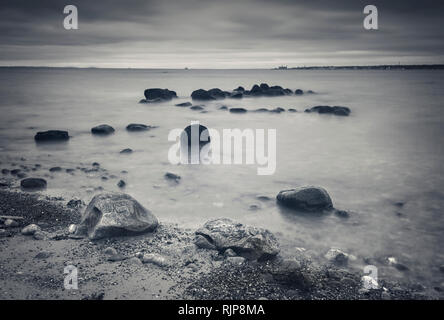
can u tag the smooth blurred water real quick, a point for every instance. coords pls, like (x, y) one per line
(389, 150)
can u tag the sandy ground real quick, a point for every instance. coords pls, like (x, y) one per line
(34, 269)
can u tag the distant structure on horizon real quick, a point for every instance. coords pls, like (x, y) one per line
(378, 67)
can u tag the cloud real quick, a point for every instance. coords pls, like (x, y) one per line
(219, 34)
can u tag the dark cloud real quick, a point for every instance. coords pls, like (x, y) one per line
(219, 33)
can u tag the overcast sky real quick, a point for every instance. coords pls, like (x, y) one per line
(220, 33)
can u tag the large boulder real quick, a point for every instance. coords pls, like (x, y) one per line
(115, 214)
(249, 242)
(336, 110)
(33, 184)
(305, 199)
(102, 129)
(51, 135)
(159, 95)
(202, 94)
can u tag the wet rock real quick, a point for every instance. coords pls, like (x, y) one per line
(30, 230)
(336, 110)
(21, 175)
(441, 268)
(298, 92)
(155, 258)
(261, 110)
(239, 89)
(137, 127)
(305, 199)
(51, 135)
(249, 242)
(159, 95)
(121, 184)
(202, 94)
(277, 110)
(238, 110)
(15, 172)
(184, 104)
(33, 183)
(172, 177)
(115, 214)
(55, 169)
(126, 151)
(217, 93)
(337, 256)
(196, 108)
(102, 129)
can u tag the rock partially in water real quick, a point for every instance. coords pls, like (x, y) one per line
(202, 94)
(121, 184)
(172, 177)
(136, 127)
(238, 110)
(126, 151)
(159, 95)
(33, 184)
(298, 92)
(51, 135)
(102, 129)
(337, 257)
(249, 242)
(336, 110)
(115, 214)
(305, 199)
(184, 104)
(197, 108)
(55, 169)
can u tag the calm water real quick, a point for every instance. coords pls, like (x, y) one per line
(389, 150)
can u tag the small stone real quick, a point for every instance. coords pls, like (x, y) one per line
(342, 213)
(126, 151)
(236, 260)
(30, 229)
(72, 228)
(110, 251)
(9, 223)
(121, 184)
(172, 176)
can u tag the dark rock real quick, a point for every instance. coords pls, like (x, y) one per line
(126, 151)
(342, 213)
(236, 95)
(51, 135)
(5, 171)
(121, 184)
(201, 94)
(238, 110)
(277, 110)
(172, 176)
(159, 95)
(115, 214)
(135, 127)
(298, 92)
(102, 129)
(21, 175)
(184, 104)
(310, 92)
(292, 110)
(217, 93)
(249, 242)
(33, 183)
(339, 111)
(43, 255)
(55, 169)
(223, 108)
(196, 108)
(15, 172)
(75, 203)
(239, 89)
(305, 199)
(264, 86)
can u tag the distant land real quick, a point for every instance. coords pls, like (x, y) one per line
(377, 67)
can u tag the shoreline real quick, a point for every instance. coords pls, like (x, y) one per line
(33, 269)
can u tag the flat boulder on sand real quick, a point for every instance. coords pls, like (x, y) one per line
(33, 184)
(305, 199)
(249, 242)
(115, 214)
(51, 135)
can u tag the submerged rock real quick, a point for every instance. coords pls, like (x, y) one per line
(336, 110)
(248, 242)
(33, 183)
(238, 110)
(102, 129)
(126, 151)
(184, 104)
(159, 95)
(115, 214)
(135, 127)
(51, 135)
(305, 199)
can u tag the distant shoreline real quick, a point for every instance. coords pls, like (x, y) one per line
(370, 67)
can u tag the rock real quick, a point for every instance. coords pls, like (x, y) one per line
(202, 242)
(121, 184)
(51, 135)
(5, 171)
(159, 95)
(184, 104)
(292, 110)
(277, 110)
(137, 127)
(72, 228)
(217, 93)
(239, 89)
(238, 110)
(236, 260)
(43, 255)
(336, 110)
(155, 259)
(135, 260)
(95, 296)
(229, 253)
(196, 108)
(21, 175)
(368, 283)
(116, 257)
(33, 183)
(337, 257)
(110, 251)
(9, 223)
(115, 214)
(39, 235)
(342, 213)
(55, 169)
(172, 176)
(102, 129)
(298, 92)
(249, 242)
(30, 229)
(15, 172)
(126, 151)
(201, 94)
(441, 268)
(223, 108)
(305, 199)
(236, 95)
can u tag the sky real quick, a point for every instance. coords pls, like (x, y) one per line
(220, 33)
